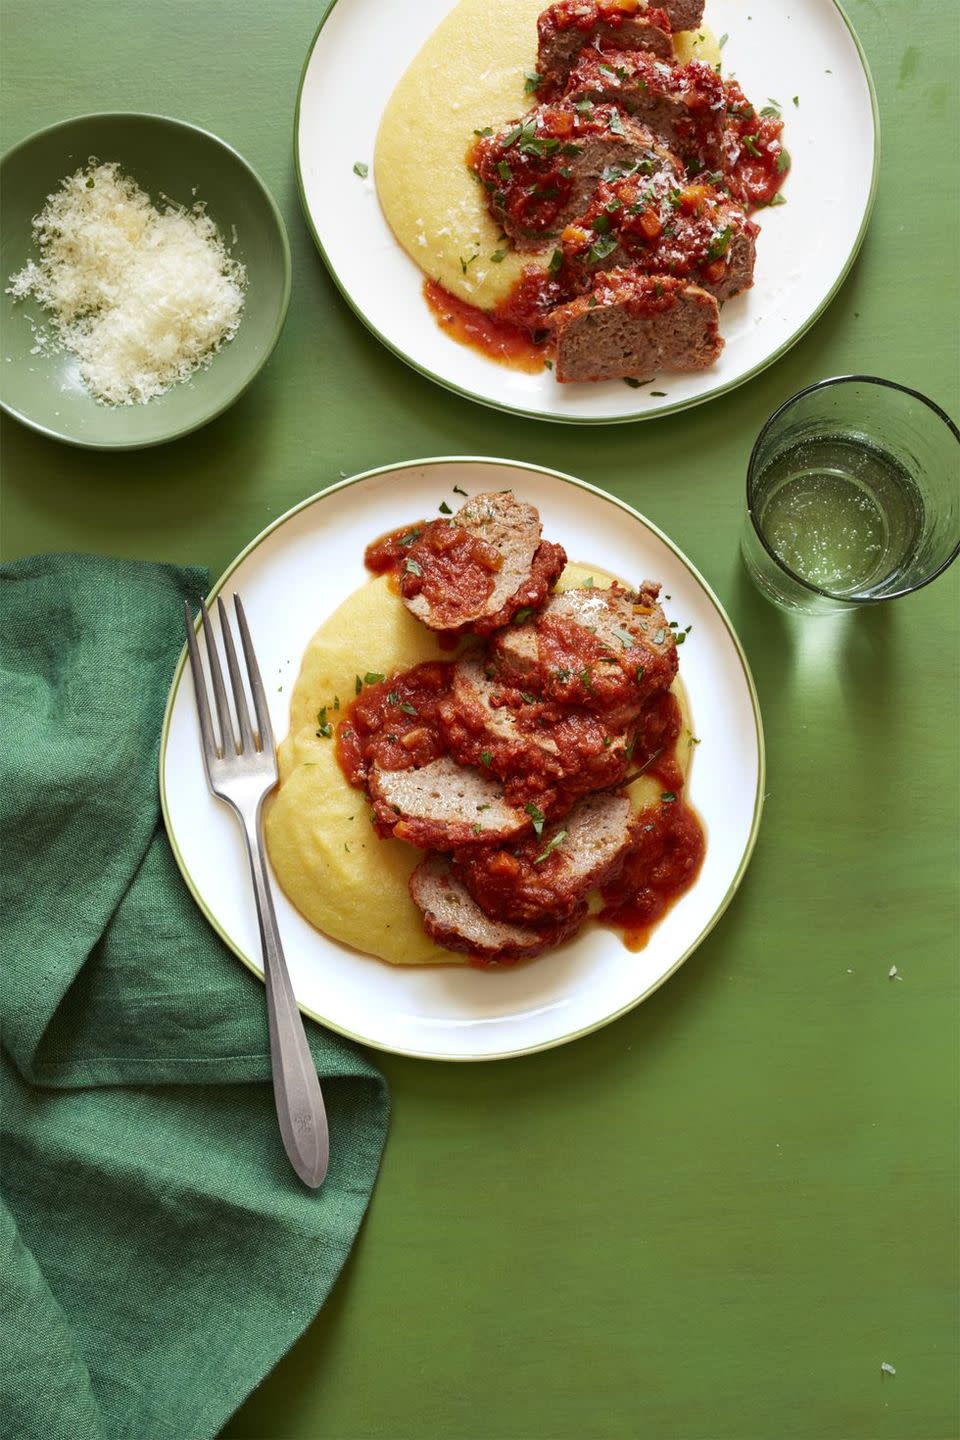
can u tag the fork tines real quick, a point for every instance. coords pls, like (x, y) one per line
(250, 741)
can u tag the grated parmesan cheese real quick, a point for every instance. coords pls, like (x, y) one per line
(142, 297)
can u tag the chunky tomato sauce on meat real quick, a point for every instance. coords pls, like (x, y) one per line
(393, 721)
(450, 567)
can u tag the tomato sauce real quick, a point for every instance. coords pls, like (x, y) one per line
(663, 863)
(497, 337)
(452, 568)
(755, 161)
(393, 721)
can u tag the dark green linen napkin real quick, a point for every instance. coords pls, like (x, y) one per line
(159, 1254)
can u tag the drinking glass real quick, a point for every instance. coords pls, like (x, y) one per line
(853, 496)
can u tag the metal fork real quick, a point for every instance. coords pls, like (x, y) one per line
(243, 775)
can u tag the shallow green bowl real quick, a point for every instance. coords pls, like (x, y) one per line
(165, 157)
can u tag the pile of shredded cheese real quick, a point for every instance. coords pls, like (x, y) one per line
(143, 297)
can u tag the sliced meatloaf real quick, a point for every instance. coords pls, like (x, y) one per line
(608, 650)
(549, 876)
(477, 570)
(685, 104)
(634, 325)
(485, 723)
(442, 805)
(545, 753)
(683, 14)
(542, 172)
(663, 226)
(566, 28)
(455, 920)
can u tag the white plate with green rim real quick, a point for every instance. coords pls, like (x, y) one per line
(291, 578)
(806, 50)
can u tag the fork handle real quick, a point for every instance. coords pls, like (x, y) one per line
(296, 1088)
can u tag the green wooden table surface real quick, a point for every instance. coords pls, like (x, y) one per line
(715, 1219)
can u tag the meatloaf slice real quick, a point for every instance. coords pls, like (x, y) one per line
(514, 568)
(683, 103)
(542, 171)
(484, 723)
(683, 14)
(608, 650)
(634, 325)
(564, 29)
(545, 753)
(455, 920)
(442, 805)
(661, 225)
(549, 876)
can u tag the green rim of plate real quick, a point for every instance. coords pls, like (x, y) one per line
(640, 414)
(748, 677)
(187, 429)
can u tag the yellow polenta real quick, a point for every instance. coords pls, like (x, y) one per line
(328, 859)
(470, 74)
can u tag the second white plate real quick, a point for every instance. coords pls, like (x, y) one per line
(806, 50)
(291, 578)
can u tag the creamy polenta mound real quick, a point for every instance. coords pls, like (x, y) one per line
(329, 861)
(470, 74)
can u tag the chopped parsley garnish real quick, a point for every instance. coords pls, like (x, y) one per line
(528, 699)
(504, 171)
(410, 536)
(361, 169)
(681, 637)
(358, 686)
(498, 256)
(641, 671)
(485, 758)
(585, 677)
(393, 698)
(465, 264)
(458, 491)
(592, 303)
(668, 797)
(770, 112)
(373, 677)
(522, 615)
(609, 70)
(722, 41)
(556, 261)
(549, 848)
(796, 101)
(778, 199)
(783, 162)
(632, 381)
(324, 727)
(601, 225)
(407, 708)
(445, 508)
(750, 144)
(625, 638)
(616, 123)
(537, 816)
(658, 394)
(532, 80)
(412, 567)
(601, 248)
(487, 130)
(720, 243)
(589, 583)
(583, 107)
(477, 829)
(659, 637)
